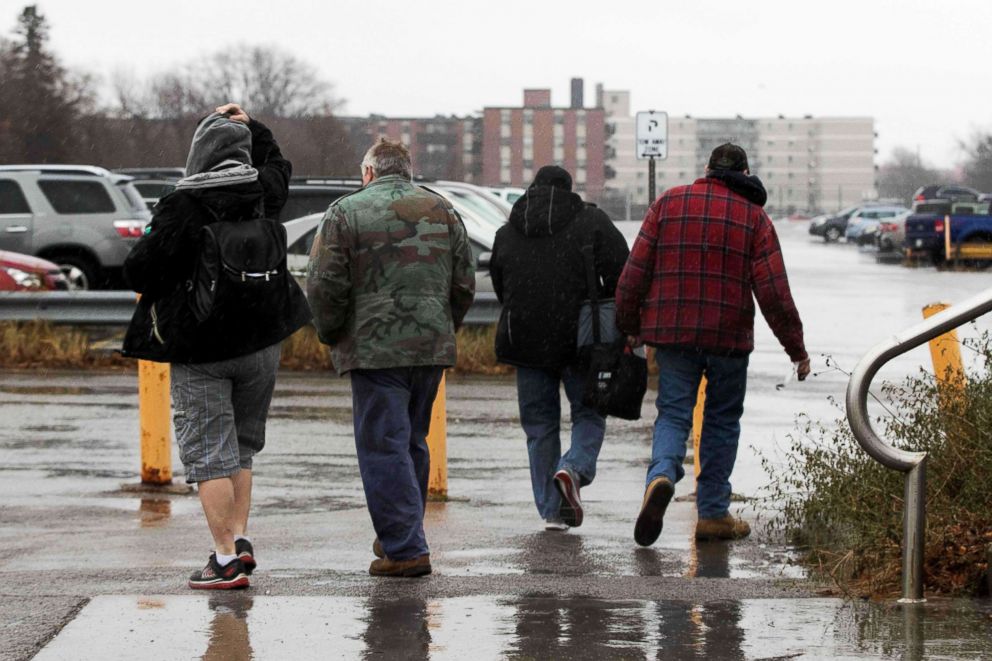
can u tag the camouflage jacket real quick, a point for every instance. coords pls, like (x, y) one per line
(390, 278)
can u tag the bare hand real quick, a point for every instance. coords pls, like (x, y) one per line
(234, 111)
(802, 369)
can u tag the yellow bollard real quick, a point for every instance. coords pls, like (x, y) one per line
(945, 351)
(697, 423)
(437, 442)
(154, 408)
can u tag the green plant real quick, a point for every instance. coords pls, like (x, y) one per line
(844, 510)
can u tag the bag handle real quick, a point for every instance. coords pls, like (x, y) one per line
(590, 266)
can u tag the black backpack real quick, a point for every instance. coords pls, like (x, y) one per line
(240, 267)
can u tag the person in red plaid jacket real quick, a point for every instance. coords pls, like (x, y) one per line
(702, 252)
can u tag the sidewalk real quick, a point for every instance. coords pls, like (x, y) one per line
(75, 551)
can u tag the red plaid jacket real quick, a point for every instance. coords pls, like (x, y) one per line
(700, 254)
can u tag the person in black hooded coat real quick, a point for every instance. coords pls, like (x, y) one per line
(223, 369)
(539, 275)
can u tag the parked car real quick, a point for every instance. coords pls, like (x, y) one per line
(83, 218)
(863, 224)
(309, 195)
(832, 226)
(153, 183)
(480, 225)
(507, 193)
(951, 192)
(965, 222)
(891, 233)
(26, 273)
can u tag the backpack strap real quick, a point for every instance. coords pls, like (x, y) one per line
(589, 257)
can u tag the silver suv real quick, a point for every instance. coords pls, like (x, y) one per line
(83, 218)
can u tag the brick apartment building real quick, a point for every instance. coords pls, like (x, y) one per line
(440, 147)
(503, 147)
(517, 141)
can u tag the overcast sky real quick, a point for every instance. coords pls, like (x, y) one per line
(921, 69)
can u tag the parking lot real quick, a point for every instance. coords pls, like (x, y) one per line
(70, 539)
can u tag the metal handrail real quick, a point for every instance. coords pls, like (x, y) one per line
(911, 463)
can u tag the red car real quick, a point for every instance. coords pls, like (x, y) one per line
(26, 273)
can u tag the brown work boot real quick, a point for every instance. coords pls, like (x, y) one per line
(649, 522)
(377, 549)
(726, 527)
(419, 566)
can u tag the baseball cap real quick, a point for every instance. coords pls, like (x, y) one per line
(728, 156)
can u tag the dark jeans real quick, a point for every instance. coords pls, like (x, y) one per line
(392, 410)
(540, 415)
(679, 374)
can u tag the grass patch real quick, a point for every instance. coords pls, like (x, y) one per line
(33, 344)
(39, 344)
(844, 509)
(476, 355)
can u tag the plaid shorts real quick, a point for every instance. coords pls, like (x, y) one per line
(219, 411)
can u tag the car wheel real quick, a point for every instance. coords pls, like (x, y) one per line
(832, 235)
(81, 272)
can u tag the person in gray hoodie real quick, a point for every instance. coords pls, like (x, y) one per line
(223, 368)
(539, 275)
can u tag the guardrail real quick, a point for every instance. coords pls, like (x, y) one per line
(114, 308)
(911, 463)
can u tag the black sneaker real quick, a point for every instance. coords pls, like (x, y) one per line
(214, 577)
(567, 483)
(246, 554)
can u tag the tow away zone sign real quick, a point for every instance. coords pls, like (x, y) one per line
(652, 135)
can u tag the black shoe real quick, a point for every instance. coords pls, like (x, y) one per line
(649, 522)
(567, 483)
(246, 554)
(214, 577)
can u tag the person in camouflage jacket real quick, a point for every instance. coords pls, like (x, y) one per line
(391, 276)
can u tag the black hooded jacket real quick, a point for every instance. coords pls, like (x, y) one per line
(538, 272)
(160, 264)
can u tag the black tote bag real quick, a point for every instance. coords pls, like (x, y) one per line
(615, 377)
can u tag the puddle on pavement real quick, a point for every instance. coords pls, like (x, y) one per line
(332, 413)
(155, 512)
(245, 626)
(50, 428)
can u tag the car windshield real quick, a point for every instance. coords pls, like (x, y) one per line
(486, 212)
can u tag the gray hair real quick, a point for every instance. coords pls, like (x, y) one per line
(386, 157)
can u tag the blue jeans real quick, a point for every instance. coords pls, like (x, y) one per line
(679, 374)
(392, 410)
(540, 416)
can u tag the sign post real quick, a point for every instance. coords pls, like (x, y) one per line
(652, 142)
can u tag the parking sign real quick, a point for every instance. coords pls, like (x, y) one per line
(652, 135)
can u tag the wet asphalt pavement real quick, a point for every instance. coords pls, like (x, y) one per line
(111, 567)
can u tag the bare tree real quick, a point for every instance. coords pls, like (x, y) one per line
(903, 174)
(267, 81)
(977, 167)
